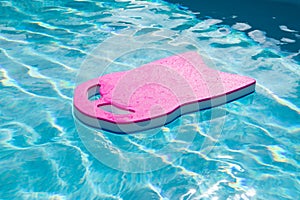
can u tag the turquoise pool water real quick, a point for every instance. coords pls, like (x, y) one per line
(247, 149)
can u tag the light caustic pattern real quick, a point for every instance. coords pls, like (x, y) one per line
(251, 152)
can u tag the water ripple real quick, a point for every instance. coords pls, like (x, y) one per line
(34, 73)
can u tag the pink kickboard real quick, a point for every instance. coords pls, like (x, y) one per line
(156, 93)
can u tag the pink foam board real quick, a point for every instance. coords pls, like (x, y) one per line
(156, 93)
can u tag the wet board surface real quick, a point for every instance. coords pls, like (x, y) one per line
(156, 93)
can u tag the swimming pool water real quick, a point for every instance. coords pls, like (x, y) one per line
(276, 19)
(247, 149)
